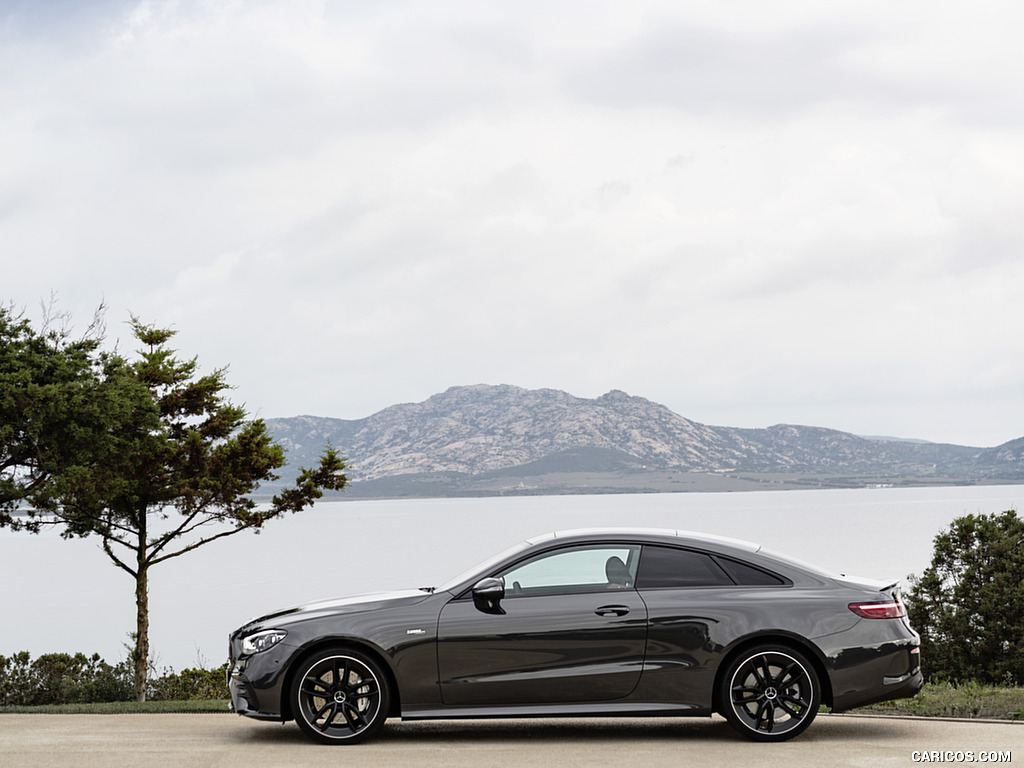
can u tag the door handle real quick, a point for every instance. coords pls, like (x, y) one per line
(612, 610)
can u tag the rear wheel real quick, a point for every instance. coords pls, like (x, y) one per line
(340, 696)
(770, 693)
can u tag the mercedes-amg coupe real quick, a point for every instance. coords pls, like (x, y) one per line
(606, 622)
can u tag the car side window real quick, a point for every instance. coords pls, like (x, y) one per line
(662, 567)
(574, 569)
(749, 576)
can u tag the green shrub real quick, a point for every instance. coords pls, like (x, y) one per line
(190, 684)
(968, 604)
(16, 685)
(60, 678)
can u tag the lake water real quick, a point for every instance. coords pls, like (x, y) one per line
(66, 595)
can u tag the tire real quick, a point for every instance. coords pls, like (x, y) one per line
(340, 696)
(770, 693)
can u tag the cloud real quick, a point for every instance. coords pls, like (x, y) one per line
(752, 214)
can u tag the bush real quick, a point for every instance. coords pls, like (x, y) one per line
(190, 684)
(968, 605)
(60, 678)
(16, 685)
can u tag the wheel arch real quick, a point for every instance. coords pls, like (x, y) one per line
(785, 639)
(340, 643)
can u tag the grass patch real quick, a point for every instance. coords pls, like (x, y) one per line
(122, 708)
(969, 700)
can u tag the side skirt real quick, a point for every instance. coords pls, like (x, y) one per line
(638, 709)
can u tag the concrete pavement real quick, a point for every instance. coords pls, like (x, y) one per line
(228, 741)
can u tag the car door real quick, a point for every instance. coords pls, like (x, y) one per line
(569, 627)
(696, 603)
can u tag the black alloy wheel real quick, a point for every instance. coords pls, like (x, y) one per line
(770, 693)
(340, 696)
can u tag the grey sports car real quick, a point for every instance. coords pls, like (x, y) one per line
(601, 622)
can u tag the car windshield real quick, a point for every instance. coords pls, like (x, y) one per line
(484, 567)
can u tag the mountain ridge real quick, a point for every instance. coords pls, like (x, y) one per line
(485, 439)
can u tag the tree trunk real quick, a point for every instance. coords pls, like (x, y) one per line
(141, 651)
(141, 631)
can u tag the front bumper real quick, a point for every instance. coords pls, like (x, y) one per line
(245, 701)
(255, 684)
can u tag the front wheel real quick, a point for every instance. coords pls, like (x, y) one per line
(340, 696)
(770, 693)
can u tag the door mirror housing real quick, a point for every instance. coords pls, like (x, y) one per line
(488, 594)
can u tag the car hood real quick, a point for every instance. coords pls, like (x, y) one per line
(341, 605)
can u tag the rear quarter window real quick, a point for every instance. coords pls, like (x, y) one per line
(749, 576)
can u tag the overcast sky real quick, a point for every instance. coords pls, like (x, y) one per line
(752, 212)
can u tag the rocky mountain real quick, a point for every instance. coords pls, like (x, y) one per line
(503, 439)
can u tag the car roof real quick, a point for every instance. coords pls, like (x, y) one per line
(664, 535)
(721, 545)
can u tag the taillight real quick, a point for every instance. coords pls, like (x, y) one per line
(891, 609)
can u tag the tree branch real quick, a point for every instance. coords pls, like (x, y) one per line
(164, 539)
(122, 542)
(200, 543)
(118, 561)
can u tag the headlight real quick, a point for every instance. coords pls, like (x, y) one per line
(262, 641)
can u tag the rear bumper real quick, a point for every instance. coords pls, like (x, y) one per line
(892, 671)
(904, 689)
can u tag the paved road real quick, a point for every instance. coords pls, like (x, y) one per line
(216, 741)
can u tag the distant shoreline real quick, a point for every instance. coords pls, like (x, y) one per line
(594, 483)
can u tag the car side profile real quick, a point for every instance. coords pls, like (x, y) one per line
(604, 622)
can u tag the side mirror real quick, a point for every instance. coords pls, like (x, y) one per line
(488, 594)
